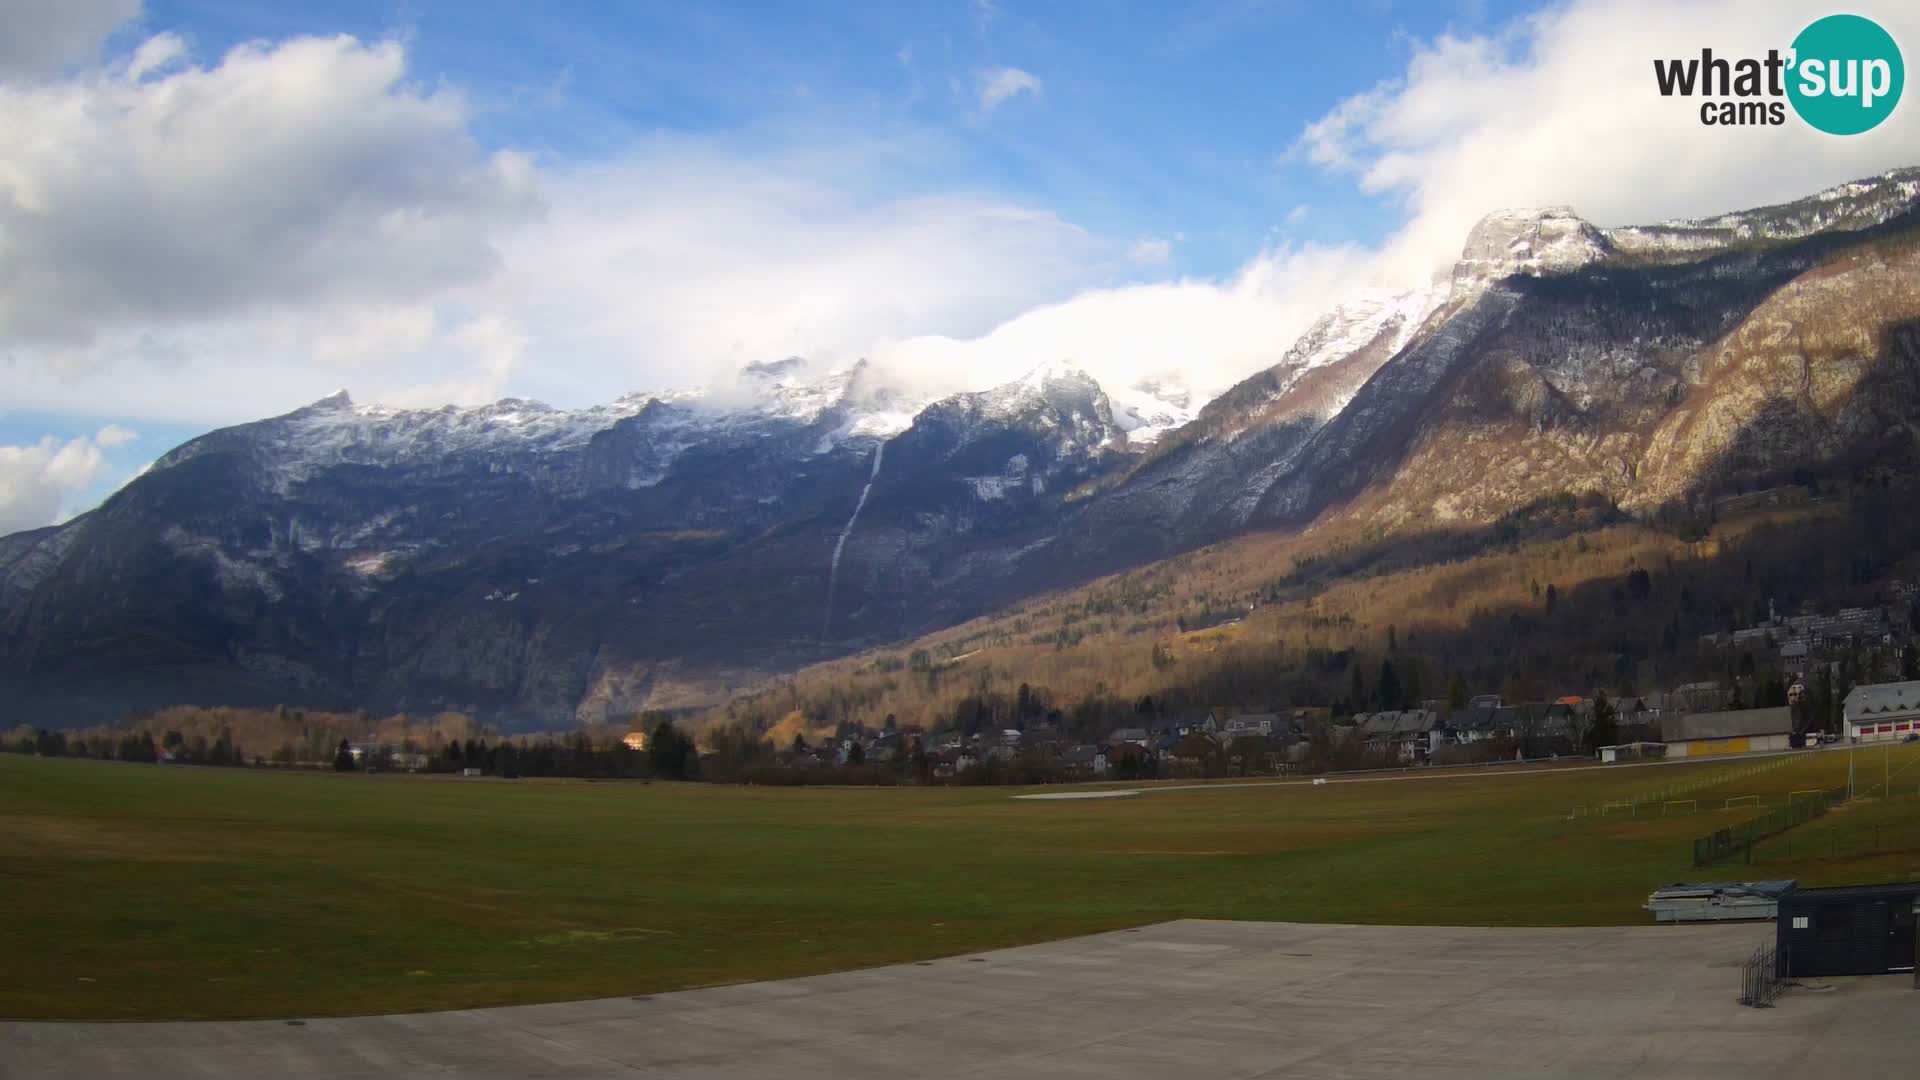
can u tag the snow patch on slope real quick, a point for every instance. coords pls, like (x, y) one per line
(1859, 204)
(1152, 407)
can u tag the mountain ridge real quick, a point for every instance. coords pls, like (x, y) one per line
(534, 565)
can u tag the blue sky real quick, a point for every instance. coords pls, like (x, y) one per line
(232, 208)
(1161, 120)
(1158, 118)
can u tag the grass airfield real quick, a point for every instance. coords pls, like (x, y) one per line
(145, 892)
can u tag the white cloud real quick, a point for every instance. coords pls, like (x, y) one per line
(1297, 215)
(995, 86)
(1207, 334)
(113, 436)
(1562, 108)
(38, 481)
(156, 54)
(690, 258)
(44, 37)
(299, 174)
(1150, 251)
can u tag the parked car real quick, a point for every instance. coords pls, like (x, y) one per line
(1915, 737)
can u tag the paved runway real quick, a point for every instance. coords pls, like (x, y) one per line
(1184, 999)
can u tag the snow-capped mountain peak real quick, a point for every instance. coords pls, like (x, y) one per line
(1060, 386)
(1547, 240)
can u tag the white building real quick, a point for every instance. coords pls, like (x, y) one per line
(1882, 712)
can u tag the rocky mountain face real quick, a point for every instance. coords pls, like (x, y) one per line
(538, 566)
(1650, 365)
(534, 565)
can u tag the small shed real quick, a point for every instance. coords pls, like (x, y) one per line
(1851, 930)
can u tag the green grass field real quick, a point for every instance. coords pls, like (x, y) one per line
(133, 891)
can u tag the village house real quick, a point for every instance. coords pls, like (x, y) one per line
(1194, 751)
(1256, 753)
(1086, 761)
(1376, 729)
(1637, 718)
(1204, 721)
(885, 747)
(1256, 723)
(1418, 733)
(1475, 723)
(1163, 744)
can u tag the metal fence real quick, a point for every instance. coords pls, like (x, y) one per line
(1835, 844)
(1738, 840)
(1763, 976)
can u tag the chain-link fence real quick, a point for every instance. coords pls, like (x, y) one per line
(1738, 840)
(1835, 843)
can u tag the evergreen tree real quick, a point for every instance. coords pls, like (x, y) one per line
(343, 758)
(1606, 727)
(1389, 693)
(667, 752)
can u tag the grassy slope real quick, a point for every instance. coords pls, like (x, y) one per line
(145, 892)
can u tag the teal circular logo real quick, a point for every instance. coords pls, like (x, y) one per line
(1846, 74)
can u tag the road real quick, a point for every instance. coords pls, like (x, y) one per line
(1183, 999)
